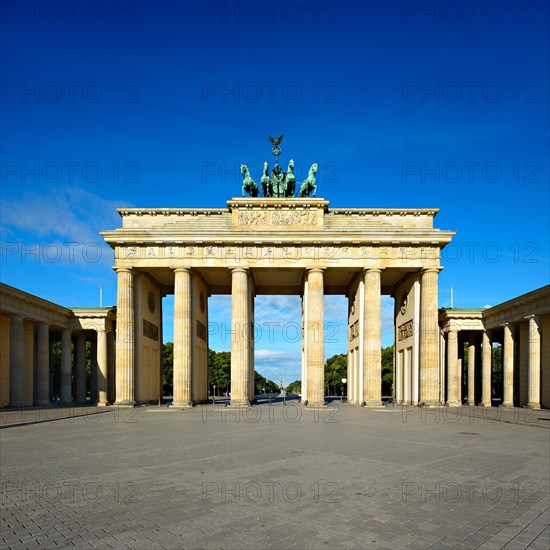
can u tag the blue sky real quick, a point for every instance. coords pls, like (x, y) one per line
(403, 104)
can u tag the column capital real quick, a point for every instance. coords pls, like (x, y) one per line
(240, 269)
(315, 269)
(431, 269)
(17, 317)
(124, 270)
(532, 317)
(182, 270)
(372, 270)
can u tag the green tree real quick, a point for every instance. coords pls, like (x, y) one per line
(261, 383)
(336, 368)
(387, 370)
(219, 370)
(295, 387)
(168, 368)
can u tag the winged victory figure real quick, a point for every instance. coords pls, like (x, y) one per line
(276, 141)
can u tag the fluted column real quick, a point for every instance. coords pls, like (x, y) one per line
(508, 367)
(43, 365)
(66, 374)
(315, 359)
(102, 367)
(240, 327)
(486, 370)
(372, 340)
(534, 363)
(472, 370)
(182, 338)
(80, 368)
(125, 339)
(452, 367)
(429, 337)
(17, 361)
(93, 369)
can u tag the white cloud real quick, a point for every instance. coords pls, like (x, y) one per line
(66, 219)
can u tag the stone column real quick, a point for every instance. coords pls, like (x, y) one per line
(17, 360)
(372, 340)
(429, 337)
(398, 379)
(125, 339)
(66, 374)
(534, 363)
(315, 360)
(102, 367)
(240, 326)
(508, 366)
(43, 365)
(486, 370)
(111, 363)
(182, 339)
(80, 368)
(93, 370)
(452, 367)
(472, 369)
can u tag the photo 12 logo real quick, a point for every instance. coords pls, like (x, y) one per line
(69, 12)
(269, 92)
(268, 12)
(69, 92)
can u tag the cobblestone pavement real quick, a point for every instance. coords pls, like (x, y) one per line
(276, 477)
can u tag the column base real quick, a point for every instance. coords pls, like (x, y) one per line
(471, 403)
(534, 406)
(429, 404)
(240, 404)
(311, 405)
(181, 405)
(128, 403)
(105, 404)
(42, 404)
(509, 405)
(485, 405)
(375, 403)
(453, 404)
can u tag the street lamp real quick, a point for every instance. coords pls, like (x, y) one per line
(214, 396)
(344, 380)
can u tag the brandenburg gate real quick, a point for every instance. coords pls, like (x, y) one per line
(277, 243)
